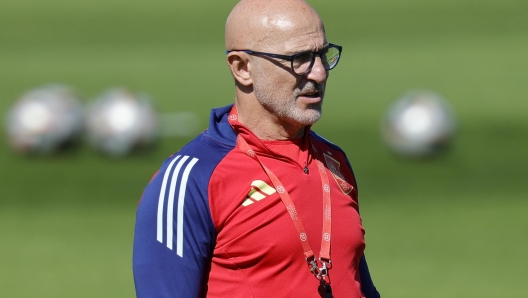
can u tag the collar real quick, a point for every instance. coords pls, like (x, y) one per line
(259, 145)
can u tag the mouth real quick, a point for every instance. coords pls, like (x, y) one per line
(312, 96)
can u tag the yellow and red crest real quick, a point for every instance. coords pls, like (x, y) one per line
(333, 165)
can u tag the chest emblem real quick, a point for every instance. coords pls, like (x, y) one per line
(333, 165)
(259, 190)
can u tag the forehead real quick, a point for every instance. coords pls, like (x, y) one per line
(284, 34)
(305, 42)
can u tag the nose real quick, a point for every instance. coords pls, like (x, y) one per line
(318, 73)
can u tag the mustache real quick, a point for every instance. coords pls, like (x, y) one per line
(310, 87)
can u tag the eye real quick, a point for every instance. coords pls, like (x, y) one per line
(330, 58)
(302, 58)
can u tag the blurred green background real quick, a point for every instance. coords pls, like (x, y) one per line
(453, 226)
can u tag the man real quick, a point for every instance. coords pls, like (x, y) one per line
(258, 205)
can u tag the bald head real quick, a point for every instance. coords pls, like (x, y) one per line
(269, 25)
(272, 100)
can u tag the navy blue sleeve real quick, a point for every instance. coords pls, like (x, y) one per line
(174, 234)
(367, 286)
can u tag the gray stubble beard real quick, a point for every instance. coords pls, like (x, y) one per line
(290, 111)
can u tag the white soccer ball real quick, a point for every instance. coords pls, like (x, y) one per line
(120, 121)
(419, 124)
(44, 119)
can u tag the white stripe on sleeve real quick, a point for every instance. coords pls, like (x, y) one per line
(161, 200)
(181, 202)
(170, 205)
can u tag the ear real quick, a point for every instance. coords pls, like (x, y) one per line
(239, 64)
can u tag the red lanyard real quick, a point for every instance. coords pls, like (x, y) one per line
(320, 273)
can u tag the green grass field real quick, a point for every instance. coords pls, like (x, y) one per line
(453, 226)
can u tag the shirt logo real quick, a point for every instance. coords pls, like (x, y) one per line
(259, 190)
(333, 165)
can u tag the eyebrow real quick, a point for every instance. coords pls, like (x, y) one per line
(326, 44)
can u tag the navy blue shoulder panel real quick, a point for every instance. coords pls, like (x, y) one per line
(175, 235)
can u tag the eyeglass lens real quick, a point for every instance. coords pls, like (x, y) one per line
(304, 61)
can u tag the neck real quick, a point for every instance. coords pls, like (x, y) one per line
(267, 126)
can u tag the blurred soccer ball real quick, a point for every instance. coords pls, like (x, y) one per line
(120, 121)
(419, 124)
(44, 119)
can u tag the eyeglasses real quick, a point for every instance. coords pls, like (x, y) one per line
(302, 63)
